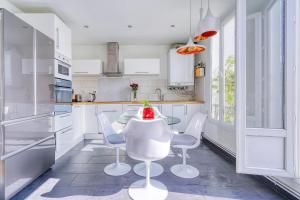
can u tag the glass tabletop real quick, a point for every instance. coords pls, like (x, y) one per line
(124, 119)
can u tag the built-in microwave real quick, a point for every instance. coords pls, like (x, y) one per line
(62, 70)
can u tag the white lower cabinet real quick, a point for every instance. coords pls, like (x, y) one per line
(64, 141)
(78, 121)
(180, 111)
(184, 112)
(191, 110)
(90, 115)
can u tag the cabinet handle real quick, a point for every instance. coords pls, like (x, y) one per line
(134, 105)
(81, 72)
(66, 130)
(142, 72)
(109, 111)
(64, 116)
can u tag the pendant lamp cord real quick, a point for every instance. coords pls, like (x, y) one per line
(190, 17)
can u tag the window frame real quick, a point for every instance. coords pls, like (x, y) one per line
(221, 121)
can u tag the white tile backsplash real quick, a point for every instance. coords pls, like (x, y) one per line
(107, 90)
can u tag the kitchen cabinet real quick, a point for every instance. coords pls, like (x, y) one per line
(78, 121)
(112, 111)
(62, 121)
(91, 122)
(53, 27)
(64, 141)
(180, 69)
(180, 111)
(87, 67)
(142, 66)
(131, 108)
(191, 110)
(166, 109)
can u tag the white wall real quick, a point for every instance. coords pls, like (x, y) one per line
(9, 6)
(147, 84)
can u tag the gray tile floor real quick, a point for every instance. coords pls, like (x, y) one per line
(79, 175)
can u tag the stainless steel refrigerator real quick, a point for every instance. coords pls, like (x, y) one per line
(27, 143)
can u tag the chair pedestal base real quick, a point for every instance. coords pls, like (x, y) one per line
(185, 171)
(155, 191)
(115, 169)
(156, 169)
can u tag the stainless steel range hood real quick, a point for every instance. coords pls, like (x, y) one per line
(112, 68)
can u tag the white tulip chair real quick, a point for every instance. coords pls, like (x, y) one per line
(115, 140)
(140, 168)
(147, 140)
(190, 139)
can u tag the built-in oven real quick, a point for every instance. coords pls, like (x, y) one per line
(62, 70)
(63, 96)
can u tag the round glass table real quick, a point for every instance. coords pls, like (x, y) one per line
(124, 119)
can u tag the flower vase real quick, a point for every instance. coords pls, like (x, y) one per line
(134, 95)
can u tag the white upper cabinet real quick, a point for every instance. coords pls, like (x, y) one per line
(87, 67)
(53, 27)
(181, 69)
(142, 66)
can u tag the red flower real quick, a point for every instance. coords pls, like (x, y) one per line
(134, 86)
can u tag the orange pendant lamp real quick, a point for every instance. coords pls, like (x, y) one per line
(190, 47)
(207, 27)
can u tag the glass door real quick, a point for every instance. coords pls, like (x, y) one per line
(265, 106)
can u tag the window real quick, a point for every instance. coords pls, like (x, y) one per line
(229, 69)
(215, 77)
(223, 73)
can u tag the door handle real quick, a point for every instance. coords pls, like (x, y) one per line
(26, 148)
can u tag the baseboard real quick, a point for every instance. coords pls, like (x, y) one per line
(271, 182)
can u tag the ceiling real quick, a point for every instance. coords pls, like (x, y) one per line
(108, 20)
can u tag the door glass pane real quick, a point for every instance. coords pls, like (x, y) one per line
(265, 66)
(229, 70)
(215, 77)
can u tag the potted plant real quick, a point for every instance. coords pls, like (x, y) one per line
(134, 88)
(148, 112)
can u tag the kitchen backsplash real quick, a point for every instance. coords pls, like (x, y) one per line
(117, 89)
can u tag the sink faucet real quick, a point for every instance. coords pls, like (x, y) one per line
(158, 91)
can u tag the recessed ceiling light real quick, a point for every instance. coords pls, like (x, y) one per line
(86, 26)
(172, 25)
(129, 26)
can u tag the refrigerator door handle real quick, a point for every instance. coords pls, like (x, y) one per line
(27, 119)
(26, 148)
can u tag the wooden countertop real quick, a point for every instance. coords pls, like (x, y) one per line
(138, 102)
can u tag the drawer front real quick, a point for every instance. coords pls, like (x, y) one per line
(112, 111)
(64, 141)
(23, 168)
(18, 135)
(132, 108)
(62, 121)
(64, 137)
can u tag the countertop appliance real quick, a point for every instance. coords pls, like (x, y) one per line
(78, 98)
(26, 104)
(92, 96)
(62, 70)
